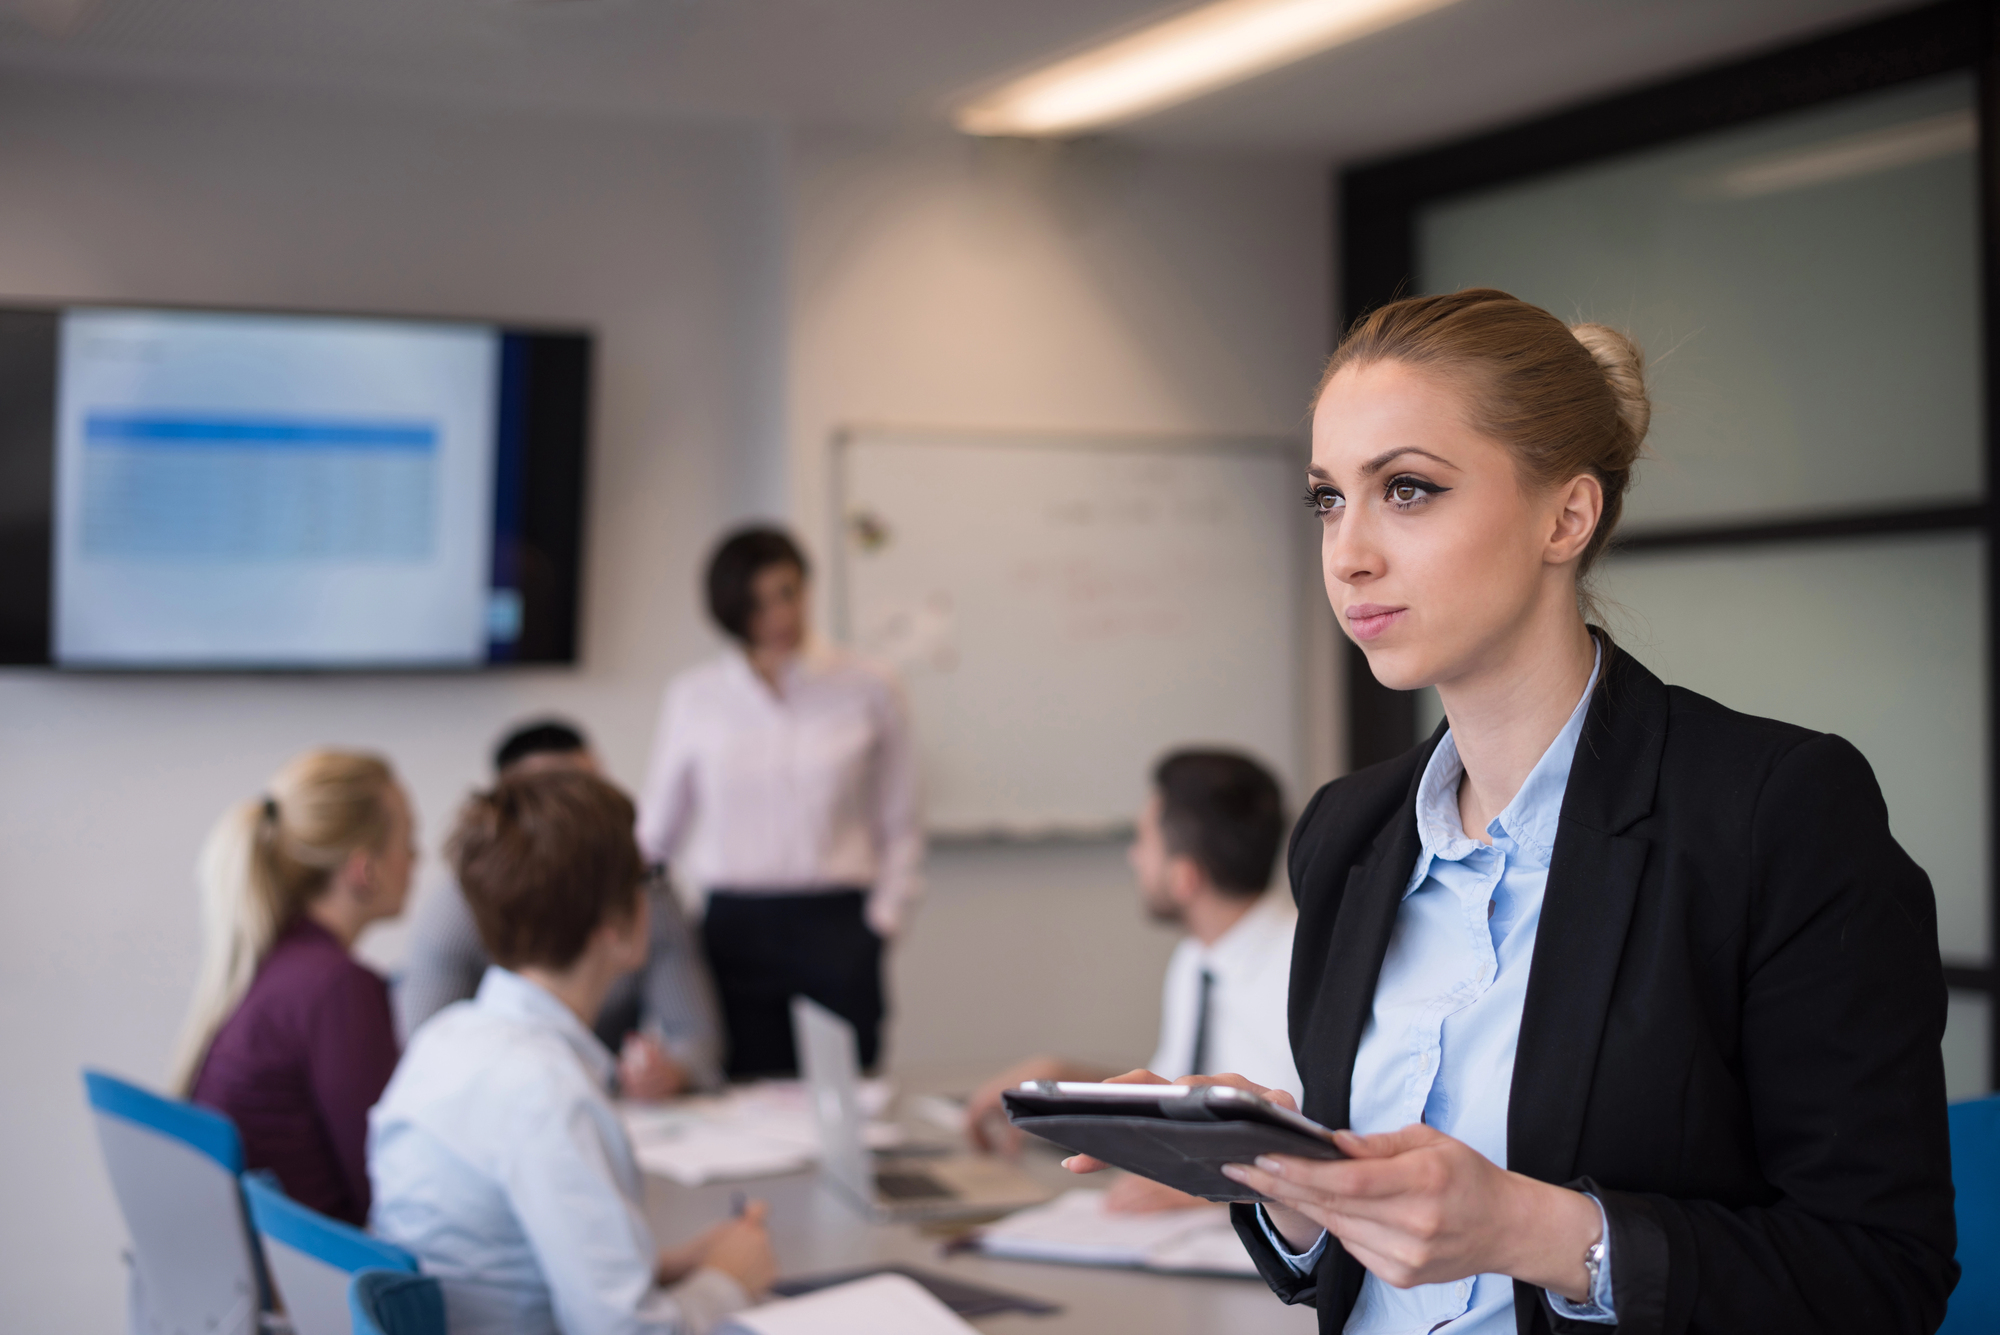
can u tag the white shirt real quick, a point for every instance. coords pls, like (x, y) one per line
(807, 787)
(1247, 1034)
(497, 1159)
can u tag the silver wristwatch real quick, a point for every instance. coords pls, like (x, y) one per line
(1593, 1265)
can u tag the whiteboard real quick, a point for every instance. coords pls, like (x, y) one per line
(1063, 610)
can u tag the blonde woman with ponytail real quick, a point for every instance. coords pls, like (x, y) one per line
(288, 1034)
(1625, 1007)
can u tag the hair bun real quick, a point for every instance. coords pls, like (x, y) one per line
(1624, 367)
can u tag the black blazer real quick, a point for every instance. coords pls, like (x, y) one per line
(1731, 1027)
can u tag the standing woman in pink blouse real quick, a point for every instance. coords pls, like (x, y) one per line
(782, 789)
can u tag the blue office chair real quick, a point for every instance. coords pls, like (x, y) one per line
(311, 1258)
(1975, 1172)
(174, 1168)
(393, 1302)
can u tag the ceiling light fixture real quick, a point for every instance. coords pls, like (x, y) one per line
(1852, 155)
(1173, 60)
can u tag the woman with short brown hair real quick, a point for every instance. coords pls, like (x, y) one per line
(497, 1157)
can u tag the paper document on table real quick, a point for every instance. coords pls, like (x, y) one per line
(1076, 1229)
(883, 1305)
(752, 1131)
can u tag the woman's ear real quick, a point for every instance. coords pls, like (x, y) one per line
(1580, 505)
(356, 875)
(631, 934)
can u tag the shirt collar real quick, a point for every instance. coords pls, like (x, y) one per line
(814, 658)
(1528, 822)
(506, 993)
(1242, 947)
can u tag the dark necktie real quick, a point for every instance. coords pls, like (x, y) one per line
(1200, 1064)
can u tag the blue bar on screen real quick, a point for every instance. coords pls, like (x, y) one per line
(155, 429)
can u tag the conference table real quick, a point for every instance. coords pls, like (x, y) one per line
(815, 1231)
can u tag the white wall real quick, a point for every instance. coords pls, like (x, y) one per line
(669, 242)
(939, 281)
(750, 294)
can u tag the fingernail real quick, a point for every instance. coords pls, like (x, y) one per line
(1233, 1171)
(1270, 1165)
(1067, 1162)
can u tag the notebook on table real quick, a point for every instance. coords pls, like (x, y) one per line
(1076, 1229)
(965, 1298)
(881, 1305)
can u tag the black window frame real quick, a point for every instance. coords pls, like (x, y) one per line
(1378, 204)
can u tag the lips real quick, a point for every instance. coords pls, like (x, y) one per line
(1368, 620)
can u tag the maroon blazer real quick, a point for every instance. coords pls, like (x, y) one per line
(299, 1064)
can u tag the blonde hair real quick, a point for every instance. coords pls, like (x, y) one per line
(264, 861)
(1566, 399)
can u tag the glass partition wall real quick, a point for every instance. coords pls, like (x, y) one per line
(1798, 244)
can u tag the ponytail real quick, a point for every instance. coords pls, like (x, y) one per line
(263, 862)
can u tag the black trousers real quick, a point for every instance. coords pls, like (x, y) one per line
(765, 949)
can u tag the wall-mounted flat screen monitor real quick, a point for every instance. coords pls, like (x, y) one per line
(233, 490)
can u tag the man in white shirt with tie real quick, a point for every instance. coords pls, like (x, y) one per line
(1202, 853)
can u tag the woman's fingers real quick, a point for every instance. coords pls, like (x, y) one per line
(1259, 1181)
(1390, 1247)
(1265, 1092)
(1083, 1163)
(1297, 1194)
(1364, 1187)
(1384, 1144)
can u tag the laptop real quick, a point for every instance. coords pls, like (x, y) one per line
(948, 1186)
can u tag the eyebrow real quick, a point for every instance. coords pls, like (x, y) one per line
(1383, 460)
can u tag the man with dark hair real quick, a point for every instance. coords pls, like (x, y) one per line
(660, 1019)
(1202, 853)
(496, 1155)
(549, 737)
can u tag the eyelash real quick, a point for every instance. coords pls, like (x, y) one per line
(1321, 499)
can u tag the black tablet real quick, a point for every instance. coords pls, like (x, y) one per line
(1177, 1134)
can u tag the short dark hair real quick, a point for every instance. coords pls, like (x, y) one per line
(544, 860)
(737, 560)
(538, 737)
(1222, 809)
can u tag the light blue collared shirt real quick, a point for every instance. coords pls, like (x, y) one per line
(498, 1160)
(1439, 1045)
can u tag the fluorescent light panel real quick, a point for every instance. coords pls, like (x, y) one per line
(1852, 155)
(1175, 59)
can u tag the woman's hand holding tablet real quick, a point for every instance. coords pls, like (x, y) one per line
(1297, 1229)
(1417, 1207)
(1178, 1134)
(1083, 1163)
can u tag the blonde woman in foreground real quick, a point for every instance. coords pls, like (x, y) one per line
(1625, 1006)
(289, 1035)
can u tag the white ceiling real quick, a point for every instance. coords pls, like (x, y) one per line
(898, 63)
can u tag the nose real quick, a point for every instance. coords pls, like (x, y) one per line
(1349, 551)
